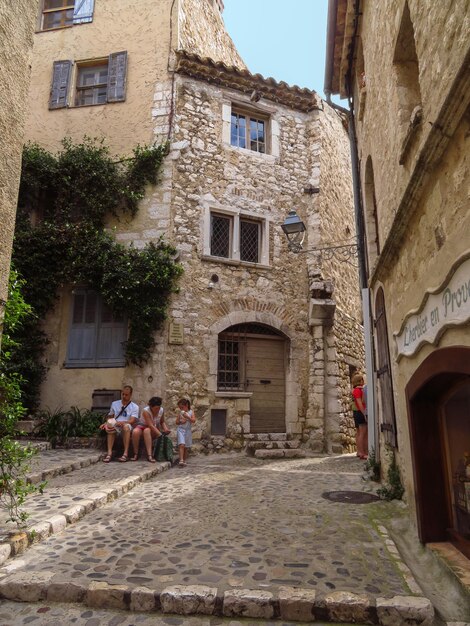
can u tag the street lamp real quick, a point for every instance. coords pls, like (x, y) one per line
(294, 230)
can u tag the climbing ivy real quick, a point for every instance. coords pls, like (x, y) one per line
(60, 240)
(14, 457)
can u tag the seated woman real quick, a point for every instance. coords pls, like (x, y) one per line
(151, 423)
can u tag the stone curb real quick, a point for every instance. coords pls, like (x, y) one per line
(22, 539)
(286, 603)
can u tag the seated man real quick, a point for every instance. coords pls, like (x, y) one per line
(122, 414)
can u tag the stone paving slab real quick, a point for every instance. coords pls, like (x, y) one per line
(77, 483)
(239, 530)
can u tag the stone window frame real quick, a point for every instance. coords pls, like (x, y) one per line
(235, 214)
(264, 112)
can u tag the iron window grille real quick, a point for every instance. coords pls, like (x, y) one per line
(249, 233)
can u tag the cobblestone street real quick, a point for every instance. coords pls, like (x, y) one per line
(221, 525)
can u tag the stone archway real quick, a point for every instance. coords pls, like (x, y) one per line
(292, 361)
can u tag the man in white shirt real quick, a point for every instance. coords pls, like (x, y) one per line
(122, 415)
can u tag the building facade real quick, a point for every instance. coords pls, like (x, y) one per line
(17, 27)
(261, 340)
(404, 65)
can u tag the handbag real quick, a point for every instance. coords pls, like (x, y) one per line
(163, 449)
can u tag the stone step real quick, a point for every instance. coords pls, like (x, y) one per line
(76, 484)
(272, 445)
(280, 454)
(267, 436)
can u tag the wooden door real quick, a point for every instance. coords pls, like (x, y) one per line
(265, 379)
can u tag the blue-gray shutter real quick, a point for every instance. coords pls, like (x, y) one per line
(61, 73)
(117, 70)
(83, 11)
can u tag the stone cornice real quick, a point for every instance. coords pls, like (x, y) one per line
(439, 137)
(242, 80)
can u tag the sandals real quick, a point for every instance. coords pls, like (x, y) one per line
(107, 458)
(150, 459)
(134, 458)
(123, 459)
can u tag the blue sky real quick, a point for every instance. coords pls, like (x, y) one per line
(285, 39)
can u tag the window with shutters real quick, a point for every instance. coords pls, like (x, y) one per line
(97, 81)
(63, 13)
(238, 237)
(97, 336)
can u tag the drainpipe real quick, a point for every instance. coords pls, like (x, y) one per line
(358, 211)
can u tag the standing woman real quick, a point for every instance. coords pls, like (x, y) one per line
(360, 415)
(185, 418)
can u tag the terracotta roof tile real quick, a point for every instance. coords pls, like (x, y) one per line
(217, 72)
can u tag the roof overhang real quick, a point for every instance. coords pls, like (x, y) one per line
(339, 43)
(255, 85)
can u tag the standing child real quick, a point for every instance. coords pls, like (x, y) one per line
(184, 420)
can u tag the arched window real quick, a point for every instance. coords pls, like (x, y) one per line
(405, 61)
(371, 217)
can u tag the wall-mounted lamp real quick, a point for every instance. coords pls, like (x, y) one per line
(294, 230)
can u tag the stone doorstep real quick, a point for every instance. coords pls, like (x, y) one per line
(454, 562)
(39, 531)
(280, 454)
(286, 603)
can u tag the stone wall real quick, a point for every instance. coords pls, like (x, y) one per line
(202, 32)
(422, 193)
(17, 24)
(441, 36)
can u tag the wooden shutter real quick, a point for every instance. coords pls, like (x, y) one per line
(384, 374)
(61, 73)
(117, 70)
(83, 11)
(82, 335)
(112, 335)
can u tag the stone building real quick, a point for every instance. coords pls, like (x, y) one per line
(17, 28)
(263, 341)
(405, 66)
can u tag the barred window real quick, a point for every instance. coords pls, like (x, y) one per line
(235, 237)
(228, 370)
(220, 235)
(249, 241)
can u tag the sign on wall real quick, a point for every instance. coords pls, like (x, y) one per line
(176, 333)
(448, 305)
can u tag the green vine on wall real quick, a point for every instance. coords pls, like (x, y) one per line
(61, 240)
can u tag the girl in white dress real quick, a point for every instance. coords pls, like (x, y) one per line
(185, 418)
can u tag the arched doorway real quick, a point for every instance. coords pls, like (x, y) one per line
(252, 359)
(438, 396)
